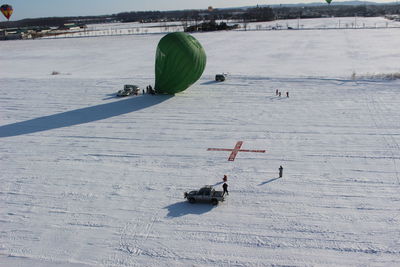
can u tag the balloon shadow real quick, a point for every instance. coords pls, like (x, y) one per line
(184, 208)
(80, 116)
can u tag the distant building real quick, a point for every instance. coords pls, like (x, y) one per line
(71, 27)
(10, 34)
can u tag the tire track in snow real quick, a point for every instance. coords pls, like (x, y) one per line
(136, 240)
(132, 232)
(377, 111)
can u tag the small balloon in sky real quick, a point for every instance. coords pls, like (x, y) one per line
(180, 61)
(7, 11)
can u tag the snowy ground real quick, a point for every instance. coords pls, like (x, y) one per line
(88, 179)
(136, 28)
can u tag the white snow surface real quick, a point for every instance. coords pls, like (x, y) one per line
(293, 24)
(88, 179)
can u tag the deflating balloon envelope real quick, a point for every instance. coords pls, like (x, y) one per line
(180, 61)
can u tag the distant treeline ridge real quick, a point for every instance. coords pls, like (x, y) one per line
(251, 14)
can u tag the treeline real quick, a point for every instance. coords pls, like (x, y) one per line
(254, 14)
(250, 14)
(259, 13)
(210, 26)
(336, 11)
(53, 21)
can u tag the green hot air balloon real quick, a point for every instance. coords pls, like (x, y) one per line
(328, 1)
(180, 61)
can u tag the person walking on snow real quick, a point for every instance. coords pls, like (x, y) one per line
(225, 178)
(280, 171)
(225, 187)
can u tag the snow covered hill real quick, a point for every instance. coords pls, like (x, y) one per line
(88, 179)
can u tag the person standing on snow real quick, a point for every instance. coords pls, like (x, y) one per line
(225, 178)
(280, 171)
(225, 187)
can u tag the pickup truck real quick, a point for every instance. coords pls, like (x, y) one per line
(220, 77)
(129, 90)
(205, 194)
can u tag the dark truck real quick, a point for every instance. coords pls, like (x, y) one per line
(205, 194)
(220, 77)
(128, 90)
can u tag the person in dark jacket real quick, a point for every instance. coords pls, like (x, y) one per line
(151, 90)
(225, 187)
(280, 171)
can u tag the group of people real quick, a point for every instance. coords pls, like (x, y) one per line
(225, 179)
(150, 90)
(279, 93)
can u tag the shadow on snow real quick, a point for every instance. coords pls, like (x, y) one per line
(80, 116)
(184, 208)
(209, 82)
(269, 181)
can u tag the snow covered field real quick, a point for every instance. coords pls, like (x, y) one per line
(88, 179)
(94, 30)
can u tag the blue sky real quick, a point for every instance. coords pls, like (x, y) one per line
(55, 8)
